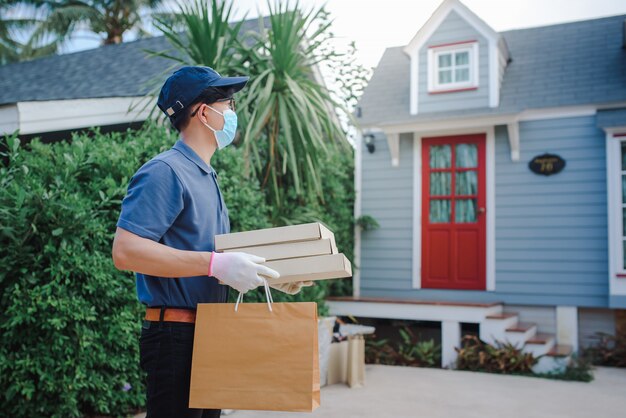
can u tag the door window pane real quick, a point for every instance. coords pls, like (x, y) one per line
(439, 210)
(466, 183)
(624, 255)
(624, 222)
(440, 156)
(445, 76)
(466, 155)
(465, 210)
(440, 184)
(624, 155)
(623, 188)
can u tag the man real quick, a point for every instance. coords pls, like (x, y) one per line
(165, 233)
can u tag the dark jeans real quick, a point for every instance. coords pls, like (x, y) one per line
(165, 350)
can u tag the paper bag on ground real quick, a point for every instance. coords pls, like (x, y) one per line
(356, 361)
(338, 363)
(254, 358)
(346, 363)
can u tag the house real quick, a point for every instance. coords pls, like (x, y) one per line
(112, 87)
(494, 163)
(51, 96)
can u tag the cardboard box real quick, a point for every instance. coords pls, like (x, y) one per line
(321, 267)
(279, 235)
(289, 250)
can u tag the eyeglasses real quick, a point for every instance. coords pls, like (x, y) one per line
(230, 100)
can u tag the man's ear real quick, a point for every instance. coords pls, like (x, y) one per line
(201, 111)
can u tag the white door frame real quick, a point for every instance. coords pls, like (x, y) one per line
(490, 146)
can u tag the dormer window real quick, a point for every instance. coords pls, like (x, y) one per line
(453, 67)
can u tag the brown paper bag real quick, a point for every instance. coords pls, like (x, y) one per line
(356, 361)
(337, 363)
(254, 358)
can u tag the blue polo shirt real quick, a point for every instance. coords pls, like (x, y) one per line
(175, 199)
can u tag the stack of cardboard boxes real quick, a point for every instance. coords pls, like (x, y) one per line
(297, 252)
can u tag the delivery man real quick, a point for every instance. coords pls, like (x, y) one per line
(165, 234)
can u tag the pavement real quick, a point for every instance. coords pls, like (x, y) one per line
(407, 392)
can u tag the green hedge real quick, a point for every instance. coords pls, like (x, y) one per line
(69, 319)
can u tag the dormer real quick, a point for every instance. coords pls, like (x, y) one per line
(456, 62)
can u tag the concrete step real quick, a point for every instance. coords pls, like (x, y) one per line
(540, 344)
(555, 360)
(561, 350)
(492, 327)
(520, 333)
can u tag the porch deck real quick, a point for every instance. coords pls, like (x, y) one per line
(495, 325)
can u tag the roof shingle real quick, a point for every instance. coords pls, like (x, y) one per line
(575, 63)
(119, 70)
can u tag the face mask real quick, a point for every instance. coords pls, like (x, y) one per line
(226, 135)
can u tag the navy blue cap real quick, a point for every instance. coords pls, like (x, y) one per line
(187, 83)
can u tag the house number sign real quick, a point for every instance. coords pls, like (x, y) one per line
(546, 164)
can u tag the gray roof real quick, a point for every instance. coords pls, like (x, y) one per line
(120, 70)
(567, 64)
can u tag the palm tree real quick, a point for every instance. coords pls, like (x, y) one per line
(60, 20)
(288, 119)
(11, 26)
(201, 35)
(288, 107)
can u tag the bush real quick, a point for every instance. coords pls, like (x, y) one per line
(608, 350)
(578, 369)
(409, 351)
(476, 355)
(506, 358)
(69, 319)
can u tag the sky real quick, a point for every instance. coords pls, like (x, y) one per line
(376, 25)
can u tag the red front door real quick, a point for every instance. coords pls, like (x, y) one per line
(453, 212)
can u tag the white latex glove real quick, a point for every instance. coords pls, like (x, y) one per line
(292, 288)
(240, 270)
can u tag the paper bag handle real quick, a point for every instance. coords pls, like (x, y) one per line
(268, 296)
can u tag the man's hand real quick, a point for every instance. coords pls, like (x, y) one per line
(292, 288)
(240, 270)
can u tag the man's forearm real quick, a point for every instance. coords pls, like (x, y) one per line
(145, 256)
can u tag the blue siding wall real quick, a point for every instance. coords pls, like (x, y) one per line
(454, 29)
(387, 195)
(551, 231)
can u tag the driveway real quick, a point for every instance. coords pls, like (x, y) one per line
(407, 392)
(399, 392)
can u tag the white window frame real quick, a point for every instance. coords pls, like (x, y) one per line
(621, 205)
(433, 66)
(617, 281)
